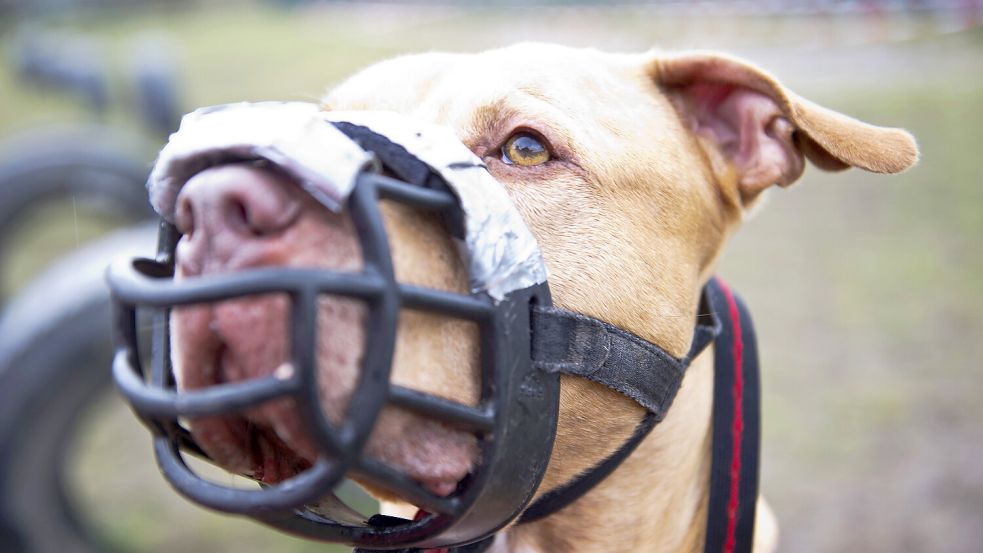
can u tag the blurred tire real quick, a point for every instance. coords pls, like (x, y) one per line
(55, 354)
(102, 169)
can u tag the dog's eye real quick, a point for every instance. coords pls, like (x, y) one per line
(525, 150)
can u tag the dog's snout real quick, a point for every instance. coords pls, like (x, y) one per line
(236, 198)
(229, 210)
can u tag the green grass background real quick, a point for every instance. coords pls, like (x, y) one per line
(867, 290)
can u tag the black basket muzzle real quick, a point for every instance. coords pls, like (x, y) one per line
(514, 421)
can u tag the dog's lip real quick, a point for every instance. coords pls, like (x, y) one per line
(250, 443)
(264, 445)
(440, 487)
(270, 459)
(268, 443)
(273, 460)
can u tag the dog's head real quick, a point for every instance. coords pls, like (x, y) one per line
(631, 171)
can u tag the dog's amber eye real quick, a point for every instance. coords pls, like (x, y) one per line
(525, 150)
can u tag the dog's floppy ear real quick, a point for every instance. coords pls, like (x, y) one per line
(760, 131)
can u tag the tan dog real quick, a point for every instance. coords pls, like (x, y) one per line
(631, 170)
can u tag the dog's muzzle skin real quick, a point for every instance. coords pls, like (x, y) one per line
(525, 344)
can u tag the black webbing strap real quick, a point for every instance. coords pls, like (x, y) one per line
(736, 427)
(570, 343)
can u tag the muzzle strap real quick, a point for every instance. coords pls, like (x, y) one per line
(571, 343)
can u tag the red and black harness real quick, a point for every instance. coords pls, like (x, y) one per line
(736, 427)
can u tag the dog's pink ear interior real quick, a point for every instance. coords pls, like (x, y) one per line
(764, 130)
(748, 128)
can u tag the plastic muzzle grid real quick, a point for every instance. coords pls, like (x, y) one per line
(514, 421)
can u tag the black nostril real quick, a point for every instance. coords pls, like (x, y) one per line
(237, 214)
(256, 214)
(255, 227)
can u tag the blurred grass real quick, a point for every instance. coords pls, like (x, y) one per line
(866, 289)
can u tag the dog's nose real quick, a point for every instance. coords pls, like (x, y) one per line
(228, 212)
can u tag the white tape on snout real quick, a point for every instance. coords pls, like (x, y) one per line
(291, 135)
(501, 253)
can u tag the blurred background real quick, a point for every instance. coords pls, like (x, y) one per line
(867, 290)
